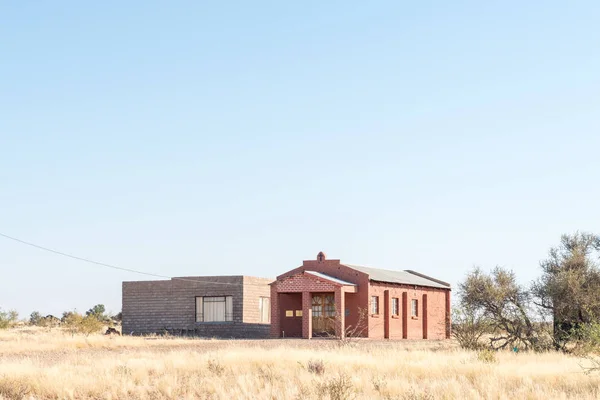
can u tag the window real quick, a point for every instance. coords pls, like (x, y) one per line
(264, 308)
(214, 309)
(414, 307)
(395, 306)
(298, 313)
(374, 304)
(329, 305)
(289, 313)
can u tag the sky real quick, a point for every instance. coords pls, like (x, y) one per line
(189, 139)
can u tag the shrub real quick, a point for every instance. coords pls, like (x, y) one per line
(8, 318)
(76, 323)
(469, 327)
(316, 367)
(35, 318)
(487, 356)
(338, 388)
(215, 367)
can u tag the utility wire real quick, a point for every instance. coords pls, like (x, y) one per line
(87, 260)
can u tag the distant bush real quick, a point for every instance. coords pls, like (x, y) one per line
(35, 318)
(76, 323)
(8, 318)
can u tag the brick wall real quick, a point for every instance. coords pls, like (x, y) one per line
(435, 317)
(158, 306)
(434, 324)
(254, 289)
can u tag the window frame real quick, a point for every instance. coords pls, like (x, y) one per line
(374, 305)
(262, 312)
(227, 314)
(414, 308)
(395, 306)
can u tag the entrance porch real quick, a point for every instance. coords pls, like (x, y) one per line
(309, 304)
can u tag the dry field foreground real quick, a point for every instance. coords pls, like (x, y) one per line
(37, 364)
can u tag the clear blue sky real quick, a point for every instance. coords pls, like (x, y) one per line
(182, 138)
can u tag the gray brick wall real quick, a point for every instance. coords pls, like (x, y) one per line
(170, 305)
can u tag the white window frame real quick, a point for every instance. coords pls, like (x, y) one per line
(395, 306)
(414, 308)
(206, 314)
(375, 305)
(264, 310)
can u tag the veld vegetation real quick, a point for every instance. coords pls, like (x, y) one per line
(37, 363)
(559, 311)
(540, 341)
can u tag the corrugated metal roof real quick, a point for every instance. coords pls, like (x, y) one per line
(331, 278)
(405, 277)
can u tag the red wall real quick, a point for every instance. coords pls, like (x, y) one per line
(354, 301)
(436, 312)
(436, 301)
(292, 326)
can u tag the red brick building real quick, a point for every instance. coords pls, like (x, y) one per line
(325, 297)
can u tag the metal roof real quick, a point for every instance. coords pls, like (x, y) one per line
(330, 278)
(405, 277)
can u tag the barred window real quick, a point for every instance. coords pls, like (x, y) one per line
(374, 305)
(414, 307)
(395, 306)
(214, 309)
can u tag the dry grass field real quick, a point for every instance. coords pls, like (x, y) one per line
(37, 364)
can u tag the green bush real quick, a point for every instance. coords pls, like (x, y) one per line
(35, 319)
(8, 318)
(77, 323)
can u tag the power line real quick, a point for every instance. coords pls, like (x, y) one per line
(87, 260)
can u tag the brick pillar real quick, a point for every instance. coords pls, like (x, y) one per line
(386, 314)
(306, 315)
(424, 317)
(448, 318)
(404, 315)
(340, 310)
(275, 313)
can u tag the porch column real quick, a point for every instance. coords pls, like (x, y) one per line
(404, 315)
(306, 315)
(340, 308)
(424, 316)
(448, 315)
(386, 314)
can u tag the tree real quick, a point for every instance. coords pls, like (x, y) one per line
(97, 312)
(89, 324)
(499, 299)
(569, 289)
(469, 327)
(35, 318)
(8, 318)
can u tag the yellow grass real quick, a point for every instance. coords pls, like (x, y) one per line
(38, 364)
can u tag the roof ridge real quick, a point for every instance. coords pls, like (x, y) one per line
(399, 276)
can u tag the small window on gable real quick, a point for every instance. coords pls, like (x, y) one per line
(414, 307)
(374, 305)
(395, 306)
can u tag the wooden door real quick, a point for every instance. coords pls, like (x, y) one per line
(323, 314)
